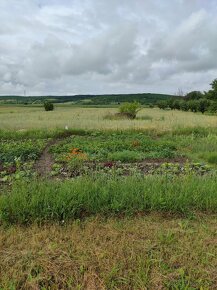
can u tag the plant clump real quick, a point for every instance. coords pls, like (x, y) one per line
(130, 110)
(48, 106)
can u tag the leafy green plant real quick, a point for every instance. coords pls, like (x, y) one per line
(130, 110)
(125, 156)
(99, 147)
(26, 149)
(48, 106)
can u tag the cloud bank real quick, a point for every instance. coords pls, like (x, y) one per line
(100, 46)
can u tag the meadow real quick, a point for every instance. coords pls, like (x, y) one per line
(33, 117)
(107, 203)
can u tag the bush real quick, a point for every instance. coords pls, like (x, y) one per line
(203, 105)
(130, 109)
(213, 107)
(48, 106)
(162, 105)
(193, 106)
(184, 106)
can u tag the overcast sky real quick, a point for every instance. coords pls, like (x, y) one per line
(107, 46)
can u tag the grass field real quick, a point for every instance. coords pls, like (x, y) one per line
(18, 118)
(150, 252)
(92, 208)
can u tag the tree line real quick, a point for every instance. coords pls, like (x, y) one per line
(194, 101)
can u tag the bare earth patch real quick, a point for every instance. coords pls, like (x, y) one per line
(43, 165)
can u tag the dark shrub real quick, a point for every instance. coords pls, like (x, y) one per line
(48, 106)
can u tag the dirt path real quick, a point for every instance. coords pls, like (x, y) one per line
(43, 165)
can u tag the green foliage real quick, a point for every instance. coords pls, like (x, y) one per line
(162, 105)
(193, 106)
(184, 106)
(203, 105)
(101, 146)
(194, 95)
(125, 156)
(52, 200)
(212, 94)
(24, 149)
(214, 85)
(213, 107)
(143, 98)
(211, 157)
(130, 109)
(48, 106)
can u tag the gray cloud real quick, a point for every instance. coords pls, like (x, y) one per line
(99, 46)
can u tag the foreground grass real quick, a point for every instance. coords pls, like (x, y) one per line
(15, 118)
(85, 196)
(152, 252)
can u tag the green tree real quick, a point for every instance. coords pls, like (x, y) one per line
(193, 106)
(214, 85)
(184, 106)
(203, 105)
(162, 105)
(194, 95)
(176, 105)
(213, 107)
(212, 94)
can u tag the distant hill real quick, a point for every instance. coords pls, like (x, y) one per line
(143, 98)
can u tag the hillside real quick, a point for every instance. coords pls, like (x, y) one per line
(143, 98)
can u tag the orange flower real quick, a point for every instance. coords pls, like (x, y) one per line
(76, 152)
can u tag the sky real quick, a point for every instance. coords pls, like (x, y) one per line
(65, 47)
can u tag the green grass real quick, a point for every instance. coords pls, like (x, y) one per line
(100, 230)
(93, 119)
(211, 157)
(125, 156)
(53, 200)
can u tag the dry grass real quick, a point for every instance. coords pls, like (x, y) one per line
(14, 117)
(151, 252)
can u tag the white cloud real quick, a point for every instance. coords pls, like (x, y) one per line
(100, 46)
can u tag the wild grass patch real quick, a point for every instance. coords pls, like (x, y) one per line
(85, 196)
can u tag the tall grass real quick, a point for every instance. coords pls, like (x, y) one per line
(93, 118)
(85, 196)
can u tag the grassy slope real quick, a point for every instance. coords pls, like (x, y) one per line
(144, 98)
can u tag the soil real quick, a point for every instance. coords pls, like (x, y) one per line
(43, 165)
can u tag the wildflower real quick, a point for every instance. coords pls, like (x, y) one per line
(136, 143)
(108, 164)
(76, 153)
